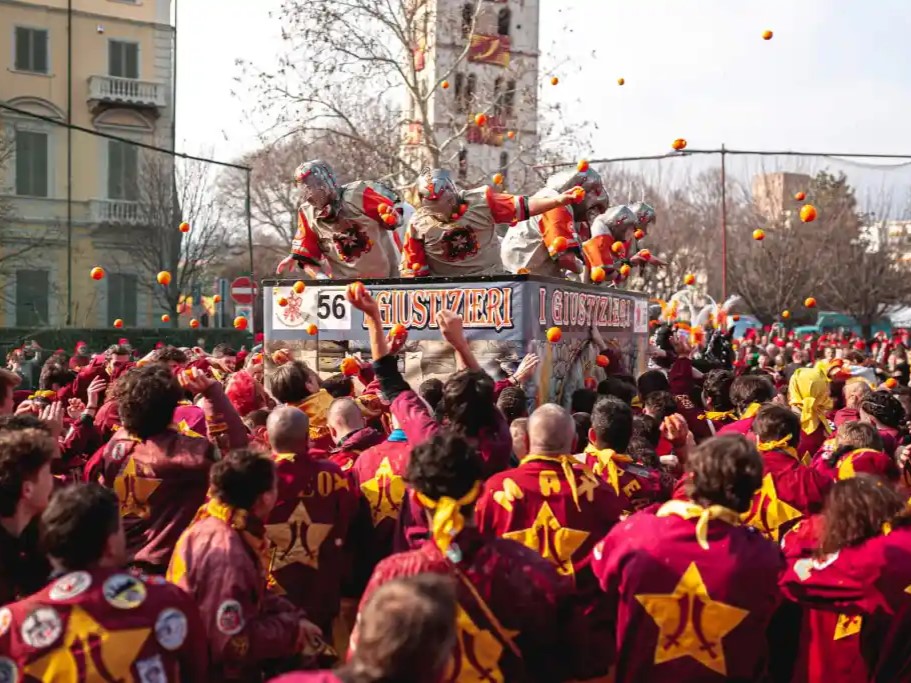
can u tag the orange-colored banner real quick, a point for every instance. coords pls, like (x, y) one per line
(489, 49)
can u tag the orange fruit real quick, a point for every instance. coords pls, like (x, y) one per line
(639, 233)
(282, 301)
(582, 166)
(689, 279)
(355, 289)
(118, 323)
(800, 196)
(808, 213)
(617, 247)
(511, 135)
(194, 323)
(164, 278)
(445, 85)
(554, 334)
(480, 119)
(298, 287)
(559, 245)
(598, 274)
(786, 314)
(184, 227)
(759, 234)
(498, 178)
(602, 361)
(735, 318)
(645, 254)
(554, 80)
(312, 329)
(625, 270)
(891, 383)
(216, 299)
(97, 273)
(165, 318)
(767, 35)
(349, 366)
(810, 302)
(679, 144)
(399, 330)
(621, 81)
(240, 323)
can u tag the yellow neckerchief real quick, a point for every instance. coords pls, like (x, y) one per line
(317, 407)
(43, 393)
(780, 445)
(636, 402)
(183, 428)
(715, 415)
(689, 510)
(846, 465)
(808, 390)
(251, 530)
(607, 462)
(750, 411)
(566, 464)
(448, 520)
(281, 457)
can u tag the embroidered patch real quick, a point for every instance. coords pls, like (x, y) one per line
(171, 628)
(9, 672)
(41, 628)
(804, 567)
(239, 645)
(230, 618)
(151, 670)
(120, 450)
(70, 585)
(124, 591)
(6, 620)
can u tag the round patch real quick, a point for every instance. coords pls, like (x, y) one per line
(6, 619)
(124, 591)
(41, 628)
(171, 628)
(9, 672)
(70, 585)
(230, 618)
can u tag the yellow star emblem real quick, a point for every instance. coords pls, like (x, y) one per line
(690, 623)
(90, 652)
(551, 540)
(847, 625)
(134, 491)
(768, 512)
(298, 539)
(476, 657)
(384, 493)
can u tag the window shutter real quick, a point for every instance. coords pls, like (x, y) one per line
(115, 170)
(39, 164)
(131, 61)
(39, 51)
(23, 49)
(32, 292)
(115, 58)
(130, 172)
(22, 163)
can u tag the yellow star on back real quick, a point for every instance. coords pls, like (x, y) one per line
(476, 657)
(89, 652)
(384, 492)
(690, 623)
(768, 512)
(298, 539)
(134, 491)
(847, 625)
(550, 540)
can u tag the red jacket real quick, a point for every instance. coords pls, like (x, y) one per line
(346, 453)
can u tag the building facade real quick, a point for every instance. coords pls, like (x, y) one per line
(487, 52)
(107, 67)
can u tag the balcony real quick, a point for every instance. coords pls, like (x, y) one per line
(112, 90)
(115, 212)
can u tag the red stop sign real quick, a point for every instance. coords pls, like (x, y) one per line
(243, 290)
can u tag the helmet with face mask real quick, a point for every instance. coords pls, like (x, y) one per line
(319, 188)
(596, 200)
(618, 222)
(645, 214)
(439, 194)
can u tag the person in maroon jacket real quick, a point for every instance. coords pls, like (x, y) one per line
(222, 560)
(312, 521)
(350, 432)
(692, 589)
(109, 366)
(159, 474)
(25, 486)
(295, 384)
(886, 413)
(748, 394)
(716, 395)
(95, 622)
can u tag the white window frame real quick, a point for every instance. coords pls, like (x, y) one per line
(138, 56)
(12, 60)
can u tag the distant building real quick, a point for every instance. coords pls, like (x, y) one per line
(121, 74)
(773, 193)
(892, 233)
(498, 77)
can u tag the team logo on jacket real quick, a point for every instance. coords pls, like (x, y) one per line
(6, 620)
(351, 243)
(459, 243)
(70, 585)
(41, 628)
(124, 591)
(151, 670)
(9, 672)
(230, 618)
(171, 628)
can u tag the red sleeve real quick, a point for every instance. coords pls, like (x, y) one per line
(305, 245)
(416, 421)
(371, 205)
(507, 208)
(414, 258)
(499, 386)
(225, 427)
(556, 223)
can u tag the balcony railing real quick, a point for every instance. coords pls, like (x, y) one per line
(126, 91)
(116, 212)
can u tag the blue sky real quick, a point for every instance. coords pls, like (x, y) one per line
(836, 76)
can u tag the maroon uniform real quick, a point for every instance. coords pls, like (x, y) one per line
(221, 561)
(870, 580)
(309, 527)
(510, 621)
(640, 485)
(308, 677)
(103, 625)
(693, 593)
(317, 407)
(347, 452)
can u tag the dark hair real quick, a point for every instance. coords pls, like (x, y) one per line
(884, 407)
(717, 387)
(256, 418)
(725, 470)
(288, 382)
(222, 350)
(774, 422)
(242, 477)
(651, 381)
(612, 422)
(446, 465)
(77, 524)
(23, 421)
(583, 400)
(168, 354)
(23, 452)
(648, 428)
(583, 424)
(856, 510)
(338, 385)
(431, 390)
(748, 389)
(9, 380)
(117, 350)
(54, 373)
(618, 387)
(146, 399)
(660, 404)
(468, 404)
(513, 402)
(642, 451)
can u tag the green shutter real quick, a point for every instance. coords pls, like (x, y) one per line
(39, 51)
(115, 58)
(23, 49)
(31, 163)
(32, 293)
(131, 60)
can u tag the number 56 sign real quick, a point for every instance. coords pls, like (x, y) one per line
(325, 306)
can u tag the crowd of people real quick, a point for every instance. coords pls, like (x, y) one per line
(188, 516)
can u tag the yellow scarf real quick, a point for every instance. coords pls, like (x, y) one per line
(689, 510)
(750, 411)
(566, 464)
(607, 462)
(808, 390)
(250, 529)
(780, 445)
(43, 393)
(448, 520)
(317, 407)
(715, 415)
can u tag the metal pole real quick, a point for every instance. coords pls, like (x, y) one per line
(724, 230)
(250, 249)
(69, 162)
(174, 85)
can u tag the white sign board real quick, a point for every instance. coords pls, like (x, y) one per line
(323, 305)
